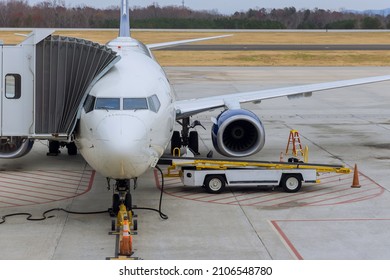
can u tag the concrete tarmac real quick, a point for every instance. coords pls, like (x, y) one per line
(329, 220)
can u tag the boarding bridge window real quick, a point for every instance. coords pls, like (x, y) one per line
(13, 86)
(135, 104)
(89, 103)
(107, 104)
(154, 103)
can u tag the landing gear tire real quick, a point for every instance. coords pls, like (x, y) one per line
(115, 203)
(135, 225)
(113, 225)
(291, 183)
(54, 147)
(214, 183)
(175, 141)
(72, 149)
(193, 142)
(128, 202)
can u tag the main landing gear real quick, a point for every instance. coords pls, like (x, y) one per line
(122, 195)
(186, 137)
(54, 148)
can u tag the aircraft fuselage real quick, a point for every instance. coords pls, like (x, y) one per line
(128, 118)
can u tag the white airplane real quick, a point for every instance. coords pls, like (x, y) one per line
(128, 117)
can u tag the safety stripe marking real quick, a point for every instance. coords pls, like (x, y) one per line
(22, 188)
(333, 189)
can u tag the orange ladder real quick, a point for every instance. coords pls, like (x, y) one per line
(296, 145)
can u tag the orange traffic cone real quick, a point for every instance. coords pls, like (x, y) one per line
(126, 241)
(355, 183)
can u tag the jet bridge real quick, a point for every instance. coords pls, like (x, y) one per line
(44, 82)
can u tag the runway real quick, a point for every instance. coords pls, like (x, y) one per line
(330, 220)
(284, 47)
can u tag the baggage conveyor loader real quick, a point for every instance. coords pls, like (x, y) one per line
(215, 175)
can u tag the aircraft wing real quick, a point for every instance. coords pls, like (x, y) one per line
(186, 108)
(158, 46)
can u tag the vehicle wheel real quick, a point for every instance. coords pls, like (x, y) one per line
(115, 203)
(193, 142)
(72, 149)
(175, 141)
(214, 183)
(291, 183)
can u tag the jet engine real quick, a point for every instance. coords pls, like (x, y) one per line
(238, 133)
(14, 147)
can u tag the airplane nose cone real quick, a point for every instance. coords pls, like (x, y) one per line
(123, 146)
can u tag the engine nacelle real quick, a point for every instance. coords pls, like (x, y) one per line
(238, 133)
(14, 147)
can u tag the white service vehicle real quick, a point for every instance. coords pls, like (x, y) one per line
(215, 175)
(214, 181)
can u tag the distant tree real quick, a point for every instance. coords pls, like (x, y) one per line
(342, 24)
(371, 23)
(388, 22)
(54, 13)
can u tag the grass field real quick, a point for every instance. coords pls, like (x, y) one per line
(250, 58)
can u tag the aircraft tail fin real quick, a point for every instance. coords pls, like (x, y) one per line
(124, 29)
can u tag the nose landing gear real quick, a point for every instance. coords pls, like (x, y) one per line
(122, 195)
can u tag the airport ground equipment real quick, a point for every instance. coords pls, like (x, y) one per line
(44, 82)
(124, 227)
(294, 144)
(215, 175)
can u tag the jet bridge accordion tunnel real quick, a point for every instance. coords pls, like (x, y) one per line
(44, 82)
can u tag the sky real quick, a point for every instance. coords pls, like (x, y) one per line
(231, 6)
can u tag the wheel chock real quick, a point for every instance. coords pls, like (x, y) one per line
(355, 182)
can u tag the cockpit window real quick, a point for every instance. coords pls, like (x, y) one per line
(89, 103)
(107, 104)
(135, 104)
(154, 103)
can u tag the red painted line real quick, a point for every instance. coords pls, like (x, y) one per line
(156, 179)
(12, 204)
(341, 182)
(29, 191)
(62, 185)
(288, 242)
(72, 175)
(313, 191)
(74, 194)
(357, 199)
(336, 197)
(40, 175)
(330, 182)
(225, 198)
(18, 199)
(29, 187)
(91, 179)
(27, 195)
(318, 195)
(258, 196)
